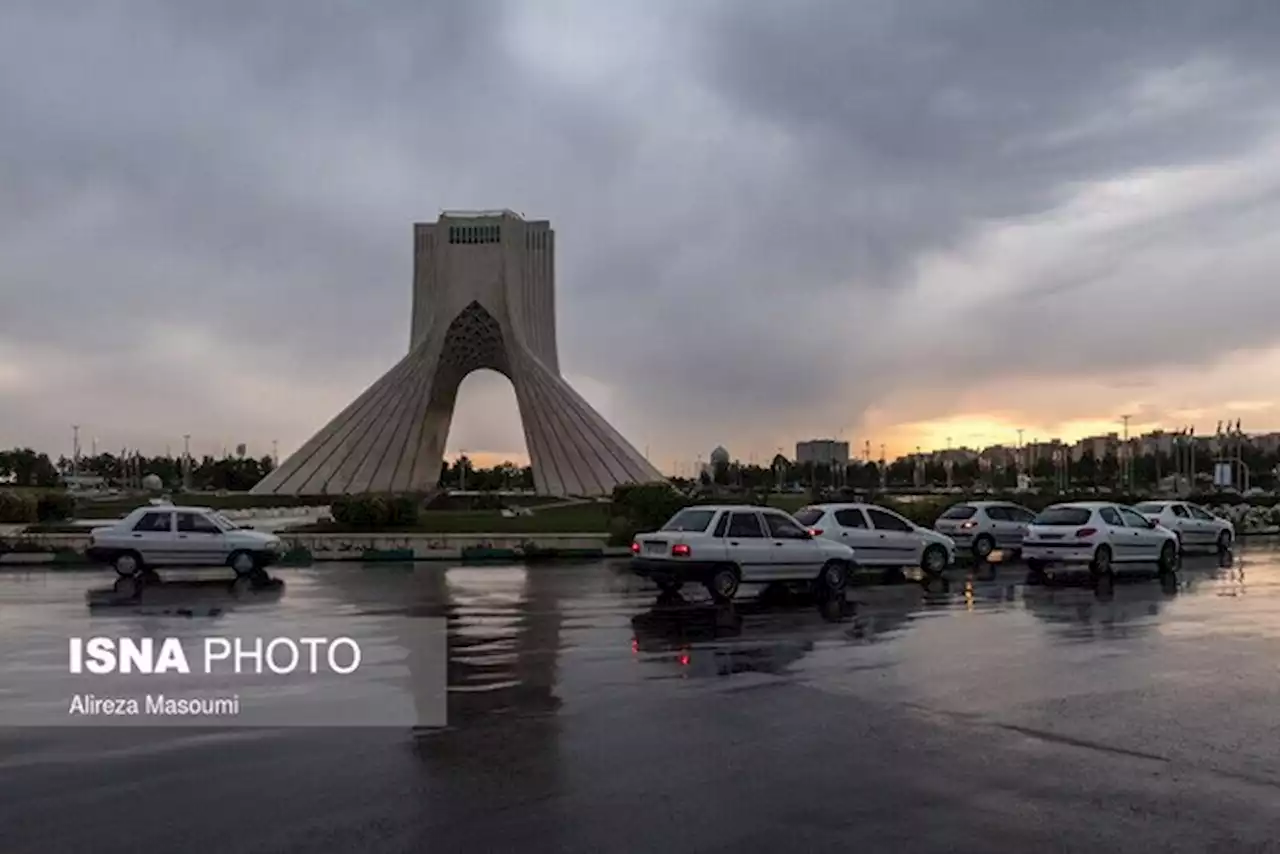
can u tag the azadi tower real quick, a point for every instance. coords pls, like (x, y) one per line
(483, 297)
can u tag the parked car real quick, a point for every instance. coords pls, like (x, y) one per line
(1099, 535)
(722, 547)
(1193, 525)
(879, 536)
(158, 536)
(981, 527)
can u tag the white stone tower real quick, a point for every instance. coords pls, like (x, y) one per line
(483, 297)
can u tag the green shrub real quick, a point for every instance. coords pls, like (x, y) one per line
(55, 507)
(17, 509)
(622, 531)
(370, 512)
(403, 510)
(648, 505)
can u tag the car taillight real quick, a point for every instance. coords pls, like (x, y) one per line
(815, 532)
(635, 548)
(679, 550)
(1086, 532)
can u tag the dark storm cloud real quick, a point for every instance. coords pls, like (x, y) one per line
(748, 195)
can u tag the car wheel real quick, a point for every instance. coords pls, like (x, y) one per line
(667, 585)
(723, 584)
(128, 564)
(1224, 542)
(243, 563)
(834, 577)
(1168, 558)
(259, 577)
(983, 547)
(1101, 565)
(934, 560)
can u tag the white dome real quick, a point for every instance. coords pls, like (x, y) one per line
(719, 455)
(153, 483)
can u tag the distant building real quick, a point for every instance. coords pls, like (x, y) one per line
(823, 452)
(719, 456)
(1096, 446)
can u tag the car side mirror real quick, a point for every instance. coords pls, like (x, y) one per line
(1150, 523)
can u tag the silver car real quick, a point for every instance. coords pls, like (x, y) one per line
(1194, 525)
(984, 526)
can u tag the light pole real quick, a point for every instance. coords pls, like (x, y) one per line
(75, 450)
(186, 462)
(948, 463)
(462, 470)
(275, 452)
(1126, 475)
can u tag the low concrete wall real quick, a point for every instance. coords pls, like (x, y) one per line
(306, 548)
(442, 546)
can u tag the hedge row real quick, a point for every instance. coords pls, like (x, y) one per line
(372, 512)
(17, 508)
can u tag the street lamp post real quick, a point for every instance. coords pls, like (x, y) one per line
(1126, 459)
(75, 450)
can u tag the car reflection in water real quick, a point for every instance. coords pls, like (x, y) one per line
(770, 633)
(1081, 609)
(704, 639)
(184, 597)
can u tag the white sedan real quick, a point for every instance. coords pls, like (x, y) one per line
(1193, 525)
(723, 547)
(879, 536)
(1099, 535)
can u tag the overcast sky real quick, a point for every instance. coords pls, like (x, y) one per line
(894, 221)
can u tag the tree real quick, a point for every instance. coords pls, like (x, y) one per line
(1043, 469)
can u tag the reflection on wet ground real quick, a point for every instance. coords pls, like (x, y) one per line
(976, 712)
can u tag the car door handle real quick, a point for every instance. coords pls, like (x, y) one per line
(733, 542)
(777, 542)
(137, 536)
(182, 536)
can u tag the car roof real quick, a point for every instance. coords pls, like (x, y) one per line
(172, 508)
(743, 507)
(1086, 505)
(847, 505)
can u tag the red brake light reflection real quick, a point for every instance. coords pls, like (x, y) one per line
(815, 532)
(679, 550)
(635, 548)
(1086, 532)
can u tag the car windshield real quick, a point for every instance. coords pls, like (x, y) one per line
(223, 522)
(690, 520)
(1065, 516)
(1149, 508)
(960, 511)
(808, 515)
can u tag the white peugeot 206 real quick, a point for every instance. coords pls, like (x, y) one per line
(1099, 535)
(723, 547)
(880, 536)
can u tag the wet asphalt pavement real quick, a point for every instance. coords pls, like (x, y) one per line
(983, 714)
